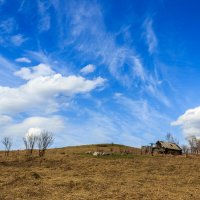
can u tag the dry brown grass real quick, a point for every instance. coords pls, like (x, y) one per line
(69, 174)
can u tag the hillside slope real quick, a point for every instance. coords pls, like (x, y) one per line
(69, 173)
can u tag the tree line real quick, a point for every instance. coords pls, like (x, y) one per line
(31, 141)
(45, 139)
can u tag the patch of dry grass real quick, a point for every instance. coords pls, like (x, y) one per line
(67, 173)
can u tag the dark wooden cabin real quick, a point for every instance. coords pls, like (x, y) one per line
(167, 148)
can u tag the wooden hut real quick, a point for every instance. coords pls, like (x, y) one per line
(167, 148)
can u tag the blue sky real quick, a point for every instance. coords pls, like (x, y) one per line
(100, 71)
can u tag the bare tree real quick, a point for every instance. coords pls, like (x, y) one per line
(7, 144)
(45, 139)
(29, 142)
(171, 138)
(194, 144)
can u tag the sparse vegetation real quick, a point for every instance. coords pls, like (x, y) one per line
(118, 172)
(69, 173)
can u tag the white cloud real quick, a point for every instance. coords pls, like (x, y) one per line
(34, 124)
(34, 72)
(42, 90)
(23, 60)
(33, 132)
(88, 69)
(150, 36)
(189, 122)
(17, 40)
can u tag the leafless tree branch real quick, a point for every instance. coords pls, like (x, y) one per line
(6, 141)
(45, 139)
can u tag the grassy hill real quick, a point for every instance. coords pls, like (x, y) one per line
(69, 173)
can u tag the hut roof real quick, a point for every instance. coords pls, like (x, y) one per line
(169, 145)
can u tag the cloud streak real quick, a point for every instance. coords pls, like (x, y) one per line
(23, 60)
(151, 38)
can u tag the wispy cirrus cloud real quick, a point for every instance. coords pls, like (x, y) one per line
(110, 125)
(9, 33)
(6, 64)
(18, 39)
(44, 16)
(23, 60)
(88, 34)
(8, 26)
(144, 115)
(7, 29)
(7, 68)
(151, 38)
(123, 62)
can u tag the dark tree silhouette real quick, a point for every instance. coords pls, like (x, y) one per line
(45, 139)
(6, 141)
(29, 142)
